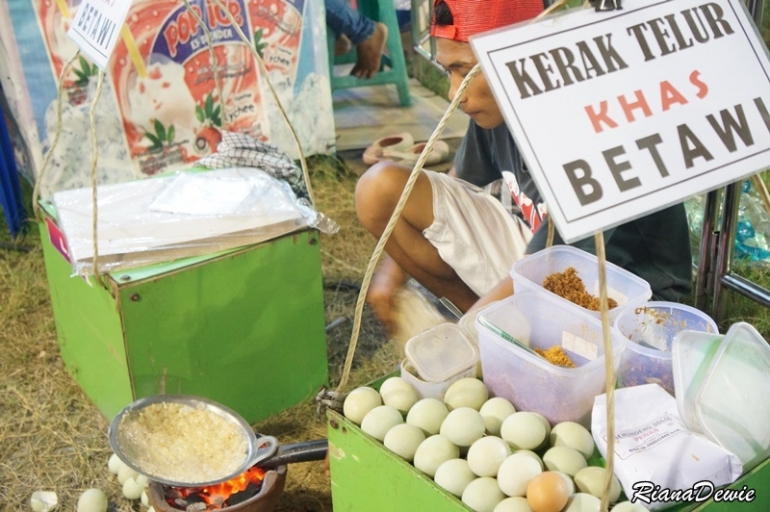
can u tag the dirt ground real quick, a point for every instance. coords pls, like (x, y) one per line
(53, 438)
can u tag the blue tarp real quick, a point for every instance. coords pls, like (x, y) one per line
(10, 190)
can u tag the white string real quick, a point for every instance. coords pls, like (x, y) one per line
(392, 224)
(94, 174)
(212, 57)
(264, 74)
(55, 139)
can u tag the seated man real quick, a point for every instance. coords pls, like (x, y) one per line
(351, 26)
(457, 239)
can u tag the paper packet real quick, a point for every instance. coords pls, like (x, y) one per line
(658, 460)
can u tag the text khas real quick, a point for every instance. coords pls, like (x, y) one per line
(562, 67)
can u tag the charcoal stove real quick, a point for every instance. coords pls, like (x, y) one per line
(264, 500)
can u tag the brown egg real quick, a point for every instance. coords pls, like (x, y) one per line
(547, 492)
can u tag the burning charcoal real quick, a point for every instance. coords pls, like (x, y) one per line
(197, 507)
(192, 500)
(239, 497)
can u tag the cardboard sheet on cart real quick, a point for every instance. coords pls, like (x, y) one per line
(182, 215)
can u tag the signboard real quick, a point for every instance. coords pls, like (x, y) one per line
(97, 26)
(622, 113)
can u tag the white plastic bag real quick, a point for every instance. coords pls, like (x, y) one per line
(658, 460)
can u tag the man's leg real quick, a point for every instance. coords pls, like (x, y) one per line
(377, 194)
(368, 36)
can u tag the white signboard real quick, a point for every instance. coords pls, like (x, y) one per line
(623, 113)
(97, 26)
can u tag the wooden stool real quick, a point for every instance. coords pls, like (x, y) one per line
(393, 67)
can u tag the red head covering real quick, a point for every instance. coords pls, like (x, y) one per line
(476, 16)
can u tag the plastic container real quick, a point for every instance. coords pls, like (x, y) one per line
(651, 328)
(437, 357)
(732, 406)
(529, 381)
(691, 356)
(431, 389)
(624, 287)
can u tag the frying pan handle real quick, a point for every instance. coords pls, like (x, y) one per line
(307, 451)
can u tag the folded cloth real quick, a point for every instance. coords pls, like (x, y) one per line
(240, 150)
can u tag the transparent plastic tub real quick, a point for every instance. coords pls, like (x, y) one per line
(529, 381)
(691, 355)
(625, 288)
(650, 329)
(732, 406)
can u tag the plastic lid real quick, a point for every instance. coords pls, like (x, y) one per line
(691, 356)
(732, 406)
(440, 353)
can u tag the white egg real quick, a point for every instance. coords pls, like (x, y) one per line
(359, 402)
(483, 494)
(142, 480)
(582, 502)
(573, 435)
(43, 501)
(463, 426)
(145, 500)
(590, 480)
(530, 453)
(114, 464)
(399, 393)
(494, 411)
(515, 473)
(486, 454)
(466, 392)
(514, 504)
(403, 440)
(564, 459)
(125, 473)
(627, 506)
(379, 420)
(523, 431)
(546, 424)
(433, 452)
(428, 414)
(92, 500)
(454, 476)
(132, 490)
(568, 479)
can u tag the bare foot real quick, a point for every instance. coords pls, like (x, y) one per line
(370, 52)
(342, 45)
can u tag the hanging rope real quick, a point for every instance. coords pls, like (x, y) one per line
(609, 369)
(212, 57)
(264, 73)
(94, 177)
(54, 140)
(392, 224)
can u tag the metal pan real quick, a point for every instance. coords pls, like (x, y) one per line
(258, 448)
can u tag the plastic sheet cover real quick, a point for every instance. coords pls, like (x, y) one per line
(181, 215)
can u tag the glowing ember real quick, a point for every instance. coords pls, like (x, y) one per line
(216, 496)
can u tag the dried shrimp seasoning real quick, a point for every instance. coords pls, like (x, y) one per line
(568, 285)
(556, 356)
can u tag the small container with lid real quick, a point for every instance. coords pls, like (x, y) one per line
(691, 356)
(437, 357)
(731, 407)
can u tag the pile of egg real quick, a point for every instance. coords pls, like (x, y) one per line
(483, 451)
